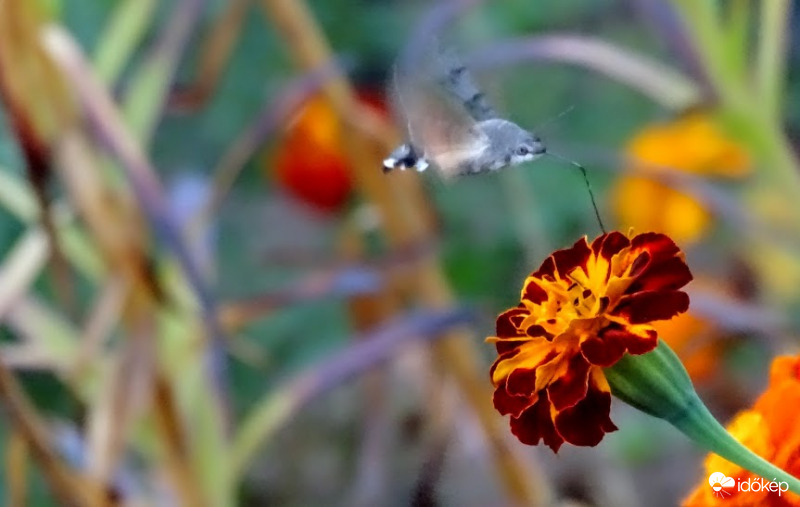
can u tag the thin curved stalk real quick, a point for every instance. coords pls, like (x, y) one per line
(771, 58)
(214, 56)
(147, 93)
(276, 113)
(660, 82)
(24, 262)
(123, 33)
(66, 485)
(281, 404)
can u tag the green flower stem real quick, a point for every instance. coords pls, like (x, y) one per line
(657, 384)
(698, 424)
(771, 56)
(703, 21)
(736, 33)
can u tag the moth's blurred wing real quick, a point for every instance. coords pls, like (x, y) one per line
(458, 82)
(458, 160)
(444, 133)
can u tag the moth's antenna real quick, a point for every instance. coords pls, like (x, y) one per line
(588, 186)
(554, 119)
(397, 94)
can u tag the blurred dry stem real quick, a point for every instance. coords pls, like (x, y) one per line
(102, 113)
(119, 232)
(123, 399)
(275, 115)
(39, 108)
(366, 312)
(100, 323)
(67, 487)
(121, 385)
(405, 224)
(148, 91)
(17, 469)
(175, 454)
(214, 56)
(279, 406)
(21, 265)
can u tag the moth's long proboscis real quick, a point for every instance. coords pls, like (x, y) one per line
(588, 187)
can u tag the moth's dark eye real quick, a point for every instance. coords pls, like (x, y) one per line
(522, 150)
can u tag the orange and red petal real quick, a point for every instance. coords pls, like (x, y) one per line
(521, 382)
(609, 245)
(780, 407)
(563, 261)
(659, 246)
(668, 274)
(647, 306)
(506, 403)
(588, 421)
(784, 368)
(508, 323)
(609, 346)
(529, 355)
(633, 339)
(536, 424)
(533, 292)
(570, 258)
(570, 387)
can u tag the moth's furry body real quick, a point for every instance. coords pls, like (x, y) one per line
(462, 140)
(495, 144)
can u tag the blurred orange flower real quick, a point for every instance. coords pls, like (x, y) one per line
(771, 430)
(311, 163)
(694, 340)
(580, 312)
(692, 144)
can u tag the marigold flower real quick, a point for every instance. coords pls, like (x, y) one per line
(770, 429)
(580, 312)
(692, 144)
(310, 163)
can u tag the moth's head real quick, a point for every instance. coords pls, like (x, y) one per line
(510, 144)
(527, 147)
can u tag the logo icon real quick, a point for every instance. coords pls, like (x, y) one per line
(721, 484)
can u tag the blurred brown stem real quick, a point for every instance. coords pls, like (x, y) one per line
(214, 54)
(366, 312)
(176, 452)
(66, 486)
(17, 453)
(111, 131)
(37, 106)
(274, 115)
(280, 405)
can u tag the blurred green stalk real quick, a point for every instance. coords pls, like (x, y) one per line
(122, 35)
(771, 57)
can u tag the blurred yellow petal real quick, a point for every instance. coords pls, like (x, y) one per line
(647, 205)
(691, 337)
(692, 144)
